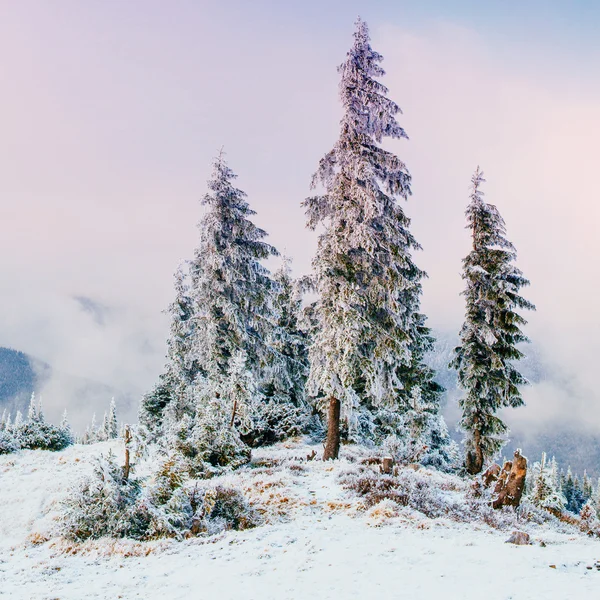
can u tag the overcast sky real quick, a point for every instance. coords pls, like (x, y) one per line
(111, 111)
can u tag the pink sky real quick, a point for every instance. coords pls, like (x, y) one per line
(109, 120)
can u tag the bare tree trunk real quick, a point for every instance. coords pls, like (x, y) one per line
(474, 458)
(127, 466)
(332, 445)
(233, 413)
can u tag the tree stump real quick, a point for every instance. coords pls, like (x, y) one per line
(387, 465)
(510, 484)
(491, 475)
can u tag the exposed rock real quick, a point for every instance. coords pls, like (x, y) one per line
(520, 538)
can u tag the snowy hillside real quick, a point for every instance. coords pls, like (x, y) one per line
(319, 538)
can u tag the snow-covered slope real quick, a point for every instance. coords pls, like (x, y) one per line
(318, 541)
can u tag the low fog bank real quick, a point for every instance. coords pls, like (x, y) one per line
(80, 353)
(561, 415)
(107, 352)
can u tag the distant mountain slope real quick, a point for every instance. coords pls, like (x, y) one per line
(21, 374)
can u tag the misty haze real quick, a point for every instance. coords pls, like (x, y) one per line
(228, 267)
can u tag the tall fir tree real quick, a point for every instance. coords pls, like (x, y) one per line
(367, 283)
(230, 287)
(181, 368)
(223, 310)
(284, 409)
(287, 368)
(64, 423)
(491, 333)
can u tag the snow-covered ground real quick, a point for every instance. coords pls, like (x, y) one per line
(318, 541)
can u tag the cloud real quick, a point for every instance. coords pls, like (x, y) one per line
(105, 167)
(535, 138)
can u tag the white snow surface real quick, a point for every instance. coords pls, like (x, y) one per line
(318, 541)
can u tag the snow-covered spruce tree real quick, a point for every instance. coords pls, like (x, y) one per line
(64, 423)
(417, 430)
(230, 289)
(231, 293)
(181, 367)
(543, 486)
(491, 332)
(32, 413)
(112, 431)
(368, 285)
(223, 308)
(283, 412)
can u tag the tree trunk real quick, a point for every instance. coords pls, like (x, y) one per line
(474, 458)
(233, 413)
(127, 466)
(332, 445)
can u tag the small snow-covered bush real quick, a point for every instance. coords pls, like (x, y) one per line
(273, 421)
(165, 505)
(8, 442)
(99, 504)
(420, 490)
(428, 443)
(434, 495)
(39, 435)
(165, 508)
(227, 508)
(214, 441)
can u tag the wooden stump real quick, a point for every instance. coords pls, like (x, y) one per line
(387, 465)
(491, 475)
(511, 482)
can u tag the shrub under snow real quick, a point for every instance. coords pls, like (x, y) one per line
(8, 442)
(166, 505)
(39, 435)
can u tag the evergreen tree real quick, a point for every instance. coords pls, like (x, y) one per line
(283, 412)
(40, 412)
(368, 285)
(544, 491)
(93, 437)
(64, 423)
(223, 310)
(577, 499)
(240, 392)
(588, 488)
(32, 414)
(568, 488)
(181, 368)
(113, 423)
(230, 288)
(491, 332)
(596, 499)
(103, 431)
(287, 367)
